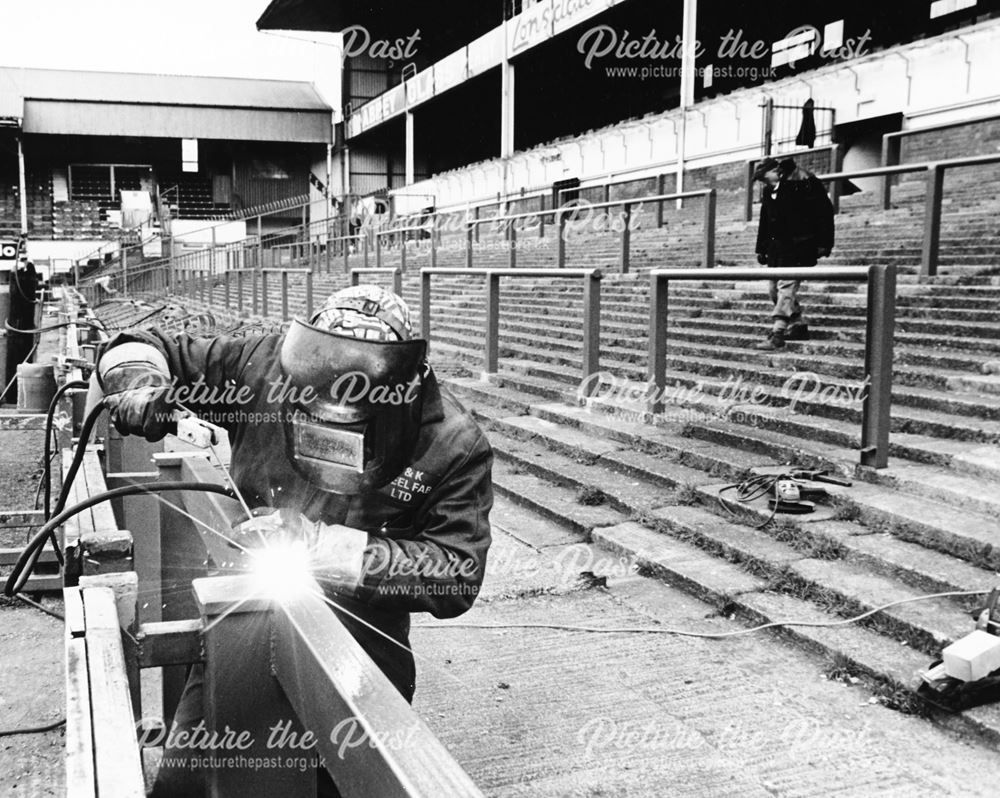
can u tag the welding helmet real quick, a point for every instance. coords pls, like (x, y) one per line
(355, 375)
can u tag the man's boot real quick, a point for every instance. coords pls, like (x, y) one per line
(797, 331)
(775, 340)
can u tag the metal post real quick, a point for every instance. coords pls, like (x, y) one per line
(768, 124)
(434, 237)
(255, 276)
(425, 307)
(475, 219)
(260, 243)
(237, 667)
(124, 259)
(492, 322)
(512, 243)
(748, 208)
(657, 367)
(626, 236)
(201, 285)
(876, 412)
(402, 253)
(708, 256)
(561, 241)
(211, 262)
(309, 295)
(263, 293)
(226, 278)
(397, 282)
(836, 160)
(932, 220)
(468, 244)
(347, 254)
(365, 237)
(591, 328)
(378, 249)
(239, 291)
(284, 295)
(890, 157)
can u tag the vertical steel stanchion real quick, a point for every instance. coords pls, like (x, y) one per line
(708, 252)
(626, 236)
(425, 307)
(468, 245)
(255, 276)
(284, 295)
(397, 282)
(239, 291)
(492, 322)
(434, 243)
(591, 329)
(748, 199)
(881, 325)
(657, 367)
(263, 292)
(309, 295)
(932, 220)
(512, 243)
(561, 240)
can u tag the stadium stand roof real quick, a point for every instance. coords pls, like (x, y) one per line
(134, 104)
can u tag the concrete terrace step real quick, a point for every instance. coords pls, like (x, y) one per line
(900, 499)
(838, 356)
(775, 582)
(772, 397)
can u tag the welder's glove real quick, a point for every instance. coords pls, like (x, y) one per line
(135, 380)
(762, 259)
(336, 552)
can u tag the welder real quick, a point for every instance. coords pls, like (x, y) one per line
(341, 432)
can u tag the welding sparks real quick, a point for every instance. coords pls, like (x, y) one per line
(283, 569)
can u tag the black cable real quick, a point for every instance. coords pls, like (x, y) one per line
(41, 607)
(59, 326)
(35, 730)
(29, 556)
(47, 476)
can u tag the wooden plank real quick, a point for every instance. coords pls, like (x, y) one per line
(80, 780)
(9, 556)
(170, 643)
(118, 765)
(73, 601)
(104, 517)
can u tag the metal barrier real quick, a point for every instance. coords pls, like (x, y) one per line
(930, 249)
(397, 277)
(879, 331)
(393, 231)
(591, 309)
(284, 290)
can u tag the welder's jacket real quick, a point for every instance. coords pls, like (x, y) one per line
(428, 530)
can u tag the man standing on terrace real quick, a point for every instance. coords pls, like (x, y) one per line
(796, 229)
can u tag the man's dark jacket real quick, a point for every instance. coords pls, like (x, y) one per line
(428, 530)
(796, 220)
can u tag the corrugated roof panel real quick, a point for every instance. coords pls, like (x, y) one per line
(124, 87)
(11, 105)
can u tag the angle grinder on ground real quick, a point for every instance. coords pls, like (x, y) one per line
(789, 489)
(968, 673)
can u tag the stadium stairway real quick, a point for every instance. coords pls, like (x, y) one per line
(649, 487)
